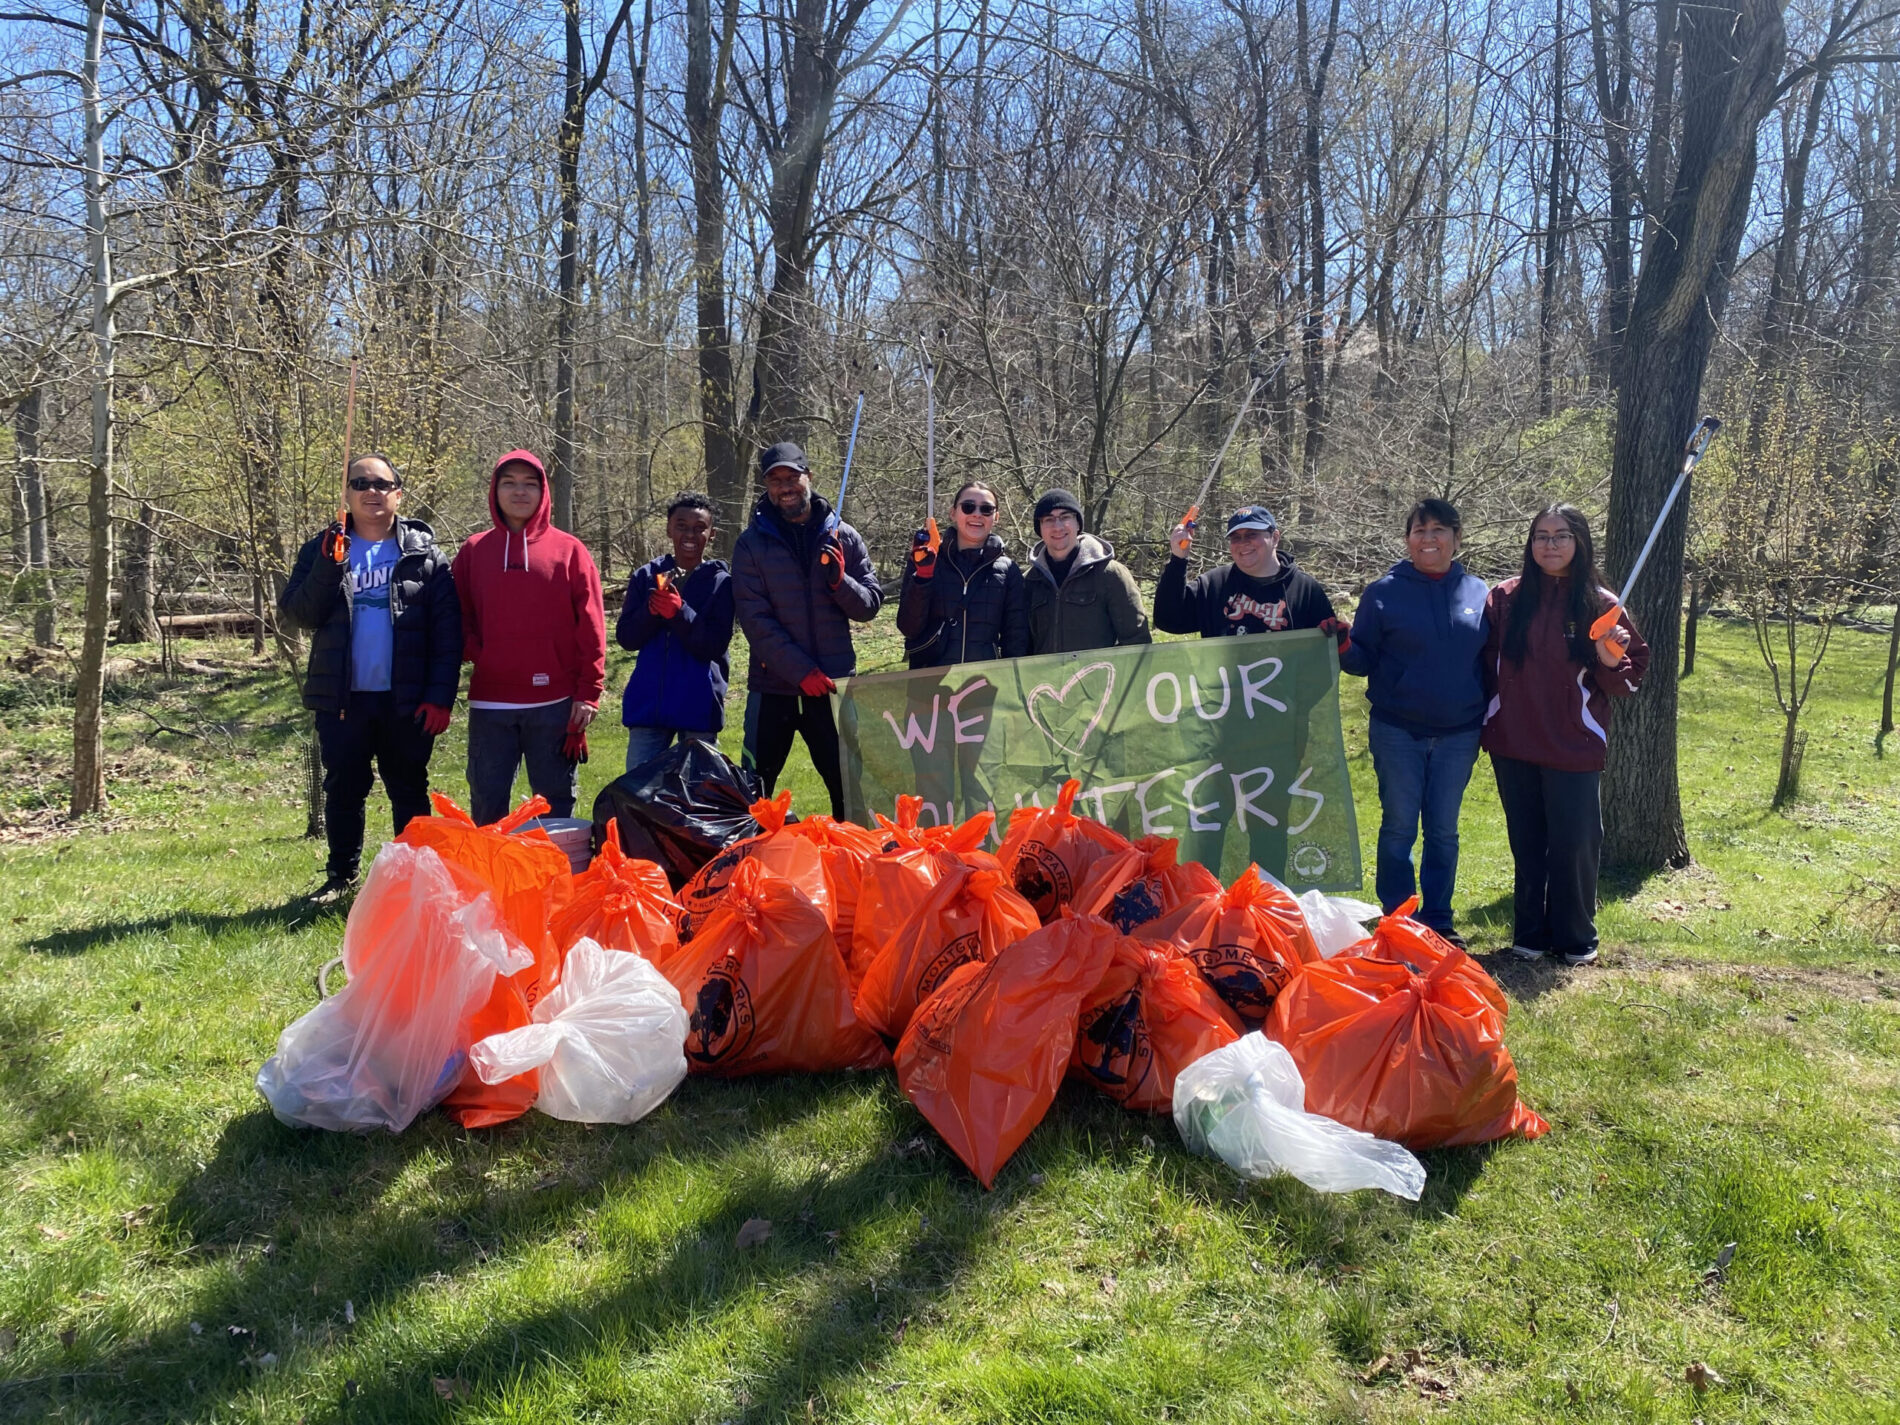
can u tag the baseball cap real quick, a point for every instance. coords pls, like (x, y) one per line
(1252, 517)
(784, 453)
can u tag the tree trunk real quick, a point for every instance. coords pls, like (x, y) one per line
(705, 103)
(1695, 621)
(1731, 54)
(38, 587)
(1553, 228)
(1793, 744)
(567, 146)
(1893, 668)
(138, 617)
(1313, 325)
(89, 773)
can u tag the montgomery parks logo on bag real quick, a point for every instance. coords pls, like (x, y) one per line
(1232, 745)
(722, 1020)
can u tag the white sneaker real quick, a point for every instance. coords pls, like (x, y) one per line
(1527, 952)
(1580, 957)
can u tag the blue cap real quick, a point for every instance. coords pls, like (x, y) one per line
(1252, 517)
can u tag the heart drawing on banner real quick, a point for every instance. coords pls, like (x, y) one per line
(1061, 699)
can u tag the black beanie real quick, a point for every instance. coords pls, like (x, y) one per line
(1053, 501)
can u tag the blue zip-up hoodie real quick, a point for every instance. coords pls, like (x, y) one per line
(680, 678)
(1419, 643)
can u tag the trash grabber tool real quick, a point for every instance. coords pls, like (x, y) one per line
(844, 481)
(930, 455)
(1699, 440)
(1213, 471)
(341, 551)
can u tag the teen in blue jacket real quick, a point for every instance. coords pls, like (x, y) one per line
(678, 617)
(1418, 641)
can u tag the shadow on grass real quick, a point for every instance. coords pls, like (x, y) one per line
(82, 939)
(302, 1222)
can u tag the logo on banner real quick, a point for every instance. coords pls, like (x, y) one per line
(1310, 861)
(722, 1020)
(1047, 692)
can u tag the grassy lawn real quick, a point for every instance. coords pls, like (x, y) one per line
(1729, 1074)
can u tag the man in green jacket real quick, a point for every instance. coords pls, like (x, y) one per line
(1080, 595)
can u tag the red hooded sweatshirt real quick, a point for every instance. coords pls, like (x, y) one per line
(532, 619)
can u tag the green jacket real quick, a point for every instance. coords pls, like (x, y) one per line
(1097, 606)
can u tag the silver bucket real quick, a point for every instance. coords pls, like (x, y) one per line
(572, 834)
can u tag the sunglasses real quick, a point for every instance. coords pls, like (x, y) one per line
(381, 487)
(971, 507)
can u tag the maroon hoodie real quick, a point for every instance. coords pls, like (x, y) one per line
(532, 619)
(1549, 710)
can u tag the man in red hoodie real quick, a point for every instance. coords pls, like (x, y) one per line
(534, 627)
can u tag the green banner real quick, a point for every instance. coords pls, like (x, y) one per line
(1231, 744)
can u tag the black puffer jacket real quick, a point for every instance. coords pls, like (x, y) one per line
(792, 617)
(973, 608)
(427, 662)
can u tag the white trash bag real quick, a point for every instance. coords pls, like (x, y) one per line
(609, 1040)
(1246, 1105)
(422, 959)
(1336, 921)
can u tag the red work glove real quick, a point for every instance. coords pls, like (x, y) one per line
(831, 560)
(923, 553)
(334, 544)
(574, 746)
(1338, 630)
(816, 684)
(665, 603)
(434, 718)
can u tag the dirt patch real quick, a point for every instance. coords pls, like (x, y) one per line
(1526, 980)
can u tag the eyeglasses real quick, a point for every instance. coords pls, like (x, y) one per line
(381, 487)
(1565, 538)
(971, 507)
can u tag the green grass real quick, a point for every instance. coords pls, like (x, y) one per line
(1730, 1074)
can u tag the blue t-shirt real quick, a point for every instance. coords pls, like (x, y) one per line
(372, 635)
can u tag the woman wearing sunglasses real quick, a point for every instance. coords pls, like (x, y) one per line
(965, 602)
(1552, 688)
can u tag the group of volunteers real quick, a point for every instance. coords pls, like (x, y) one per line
(1451, 666)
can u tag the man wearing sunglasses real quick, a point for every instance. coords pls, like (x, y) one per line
(384, 662)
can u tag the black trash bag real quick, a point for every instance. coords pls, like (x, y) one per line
(680, 808)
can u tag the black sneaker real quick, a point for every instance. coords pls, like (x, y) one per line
(1452, 937)
(1581, 957)
(334, 890)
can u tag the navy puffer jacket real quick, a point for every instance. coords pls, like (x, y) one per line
(427, 662)
(792, 617)
(973, 608)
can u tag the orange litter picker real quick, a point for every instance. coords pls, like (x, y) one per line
(1692, 452)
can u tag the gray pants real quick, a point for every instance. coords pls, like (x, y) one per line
(500, 739)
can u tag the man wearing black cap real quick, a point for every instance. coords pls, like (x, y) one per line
(1080, 595)
(800, 578)
(1260, 591)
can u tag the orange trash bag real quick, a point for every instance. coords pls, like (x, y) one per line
(1248, 943)
(1402, 1037)
(1150, 1017)
(786, 855)
(900, 877)
(529, 878)
(764, 986)
(845, 849)
(1145, 882)
(1047, 851)
(984, 1056)
(621, 903)
(969, 914)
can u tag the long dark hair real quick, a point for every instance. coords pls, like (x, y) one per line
(1584, 601)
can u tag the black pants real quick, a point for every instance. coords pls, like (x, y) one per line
(770, 721)
(369, 729)
(1555, 821)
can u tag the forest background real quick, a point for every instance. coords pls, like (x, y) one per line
(1500, 254)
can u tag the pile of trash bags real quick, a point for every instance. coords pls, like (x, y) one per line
(485, 978)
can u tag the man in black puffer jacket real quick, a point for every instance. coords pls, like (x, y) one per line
(385, 661)
(800, 578)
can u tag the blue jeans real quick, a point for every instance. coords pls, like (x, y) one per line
(646, 743)
(500, 740)
(1421, 779)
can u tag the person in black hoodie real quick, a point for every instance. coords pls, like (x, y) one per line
(964, 603)
(385, 661)
(1260, 591)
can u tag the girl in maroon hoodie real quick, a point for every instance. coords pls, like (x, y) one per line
(1547, 726)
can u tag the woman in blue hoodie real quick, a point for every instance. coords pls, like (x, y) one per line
(678, 617)
(1418, 641)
